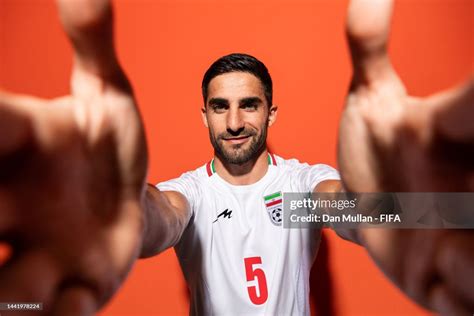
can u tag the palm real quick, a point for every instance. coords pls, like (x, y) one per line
(72, 175)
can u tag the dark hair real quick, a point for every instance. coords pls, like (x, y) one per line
(243, 63)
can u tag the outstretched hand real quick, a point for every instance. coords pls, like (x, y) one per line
(392, 142)
(72, 174)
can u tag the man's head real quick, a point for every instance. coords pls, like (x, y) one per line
(239, 63)
(237, 92)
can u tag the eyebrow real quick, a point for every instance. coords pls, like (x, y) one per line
(218, 101)
(250, 100)
(243, 101)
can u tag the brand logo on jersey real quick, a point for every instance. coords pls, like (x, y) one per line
(225, 214)
(274, 205)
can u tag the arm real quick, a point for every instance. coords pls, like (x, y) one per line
(72, 177)
(433, 267)
(392, 142)
(166, 215)
(335, 186)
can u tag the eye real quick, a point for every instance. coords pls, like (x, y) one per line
(249, 106)
(219, 108)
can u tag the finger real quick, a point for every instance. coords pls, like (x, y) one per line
(455, 110)
(8, 222)
(368, 27)
(16, 133)
(15, 125)
(456, 265)
(445, 303)
(29, 277)
(14, 130)
(74, 300)
(89, 26)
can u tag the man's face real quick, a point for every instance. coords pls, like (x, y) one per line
(237, 115)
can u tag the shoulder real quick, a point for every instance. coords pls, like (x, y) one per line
(192, 178)
(189, 184)
(294, 165)
(305, 176)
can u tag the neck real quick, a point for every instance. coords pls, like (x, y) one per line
(244, 174)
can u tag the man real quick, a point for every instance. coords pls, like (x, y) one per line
(94, 138)
(234, 253)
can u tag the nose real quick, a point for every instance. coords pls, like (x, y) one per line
(235, 122)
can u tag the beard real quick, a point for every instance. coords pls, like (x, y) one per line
(239, 154)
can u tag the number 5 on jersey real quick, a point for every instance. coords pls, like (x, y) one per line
(256, 274)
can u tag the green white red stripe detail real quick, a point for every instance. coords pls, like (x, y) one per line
(273, 199)
(271, 160)
(211, 169)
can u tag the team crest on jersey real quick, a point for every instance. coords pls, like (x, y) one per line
(274, 205)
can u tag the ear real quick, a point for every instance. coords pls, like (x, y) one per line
(204, 116)
(272, 115)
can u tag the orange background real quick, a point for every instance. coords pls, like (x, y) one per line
(166, 46)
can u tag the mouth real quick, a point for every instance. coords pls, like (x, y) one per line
(237, 140)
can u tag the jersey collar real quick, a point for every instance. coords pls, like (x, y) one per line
(211, 169)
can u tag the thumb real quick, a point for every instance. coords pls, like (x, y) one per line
(89, 26)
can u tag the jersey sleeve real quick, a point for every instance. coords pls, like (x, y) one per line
(186, 184)
(308, 177)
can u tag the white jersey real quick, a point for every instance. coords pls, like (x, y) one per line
(235, 255)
